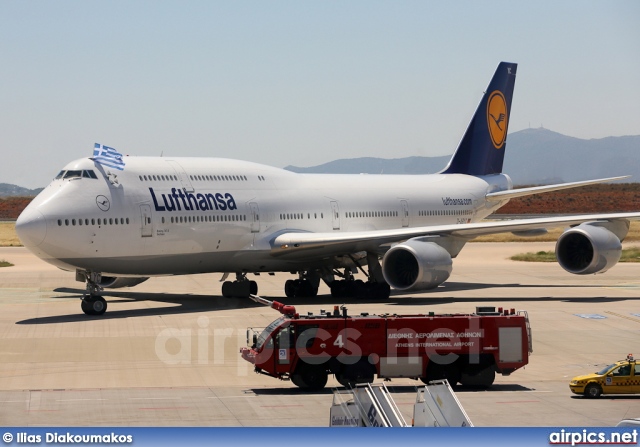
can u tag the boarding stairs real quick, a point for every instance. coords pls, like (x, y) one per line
(371, 405)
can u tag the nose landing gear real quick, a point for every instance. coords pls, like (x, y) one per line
(92, 303)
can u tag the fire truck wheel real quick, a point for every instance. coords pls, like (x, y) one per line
(342, 380)
(439, 372)
(482, 379)
(593, 390)
(297, 381)
(360, 372)
(314, 377)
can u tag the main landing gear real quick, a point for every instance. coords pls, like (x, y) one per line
(350, 288)
(240, 288)
(306, 286)
(92, 303)
(375, 288)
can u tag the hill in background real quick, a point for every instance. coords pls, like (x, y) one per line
(533, 157)
(7, 190)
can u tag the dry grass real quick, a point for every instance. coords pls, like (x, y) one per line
(628, 255)
(551, 236)
(8, 236)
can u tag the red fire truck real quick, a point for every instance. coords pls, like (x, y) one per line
(464, 348)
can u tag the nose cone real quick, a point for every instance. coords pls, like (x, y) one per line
(31, 227)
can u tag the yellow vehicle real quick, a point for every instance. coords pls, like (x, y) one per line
(622, 377)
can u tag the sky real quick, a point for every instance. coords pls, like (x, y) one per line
(300, 82)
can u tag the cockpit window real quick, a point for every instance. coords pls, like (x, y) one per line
(88, 173)
(73, 174)
(267, 332)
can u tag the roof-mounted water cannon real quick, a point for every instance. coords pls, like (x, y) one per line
(284, 309)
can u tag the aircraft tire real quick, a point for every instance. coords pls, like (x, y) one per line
(94, 305)
(289, 288)
(86, 307)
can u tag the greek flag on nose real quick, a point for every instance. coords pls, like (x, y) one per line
(108, 156)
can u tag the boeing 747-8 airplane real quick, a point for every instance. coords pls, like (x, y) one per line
(116, 221)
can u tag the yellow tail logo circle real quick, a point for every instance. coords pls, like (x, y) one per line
(497, 118)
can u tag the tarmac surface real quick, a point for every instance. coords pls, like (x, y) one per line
(166, 351)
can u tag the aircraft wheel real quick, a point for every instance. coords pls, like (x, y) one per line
(253, 287)
(86, 306)
(382, 291)
(289, 288)
(338, 289)
(95, 305)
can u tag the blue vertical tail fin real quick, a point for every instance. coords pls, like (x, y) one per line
(481, 150)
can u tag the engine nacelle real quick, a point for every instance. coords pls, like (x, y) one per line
(588, 249)
(416, 265)
(111, 282)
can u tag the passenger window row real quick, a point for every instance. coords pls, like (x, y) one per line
(216, 218)
(89, 222)
(452, 212)
(202, 178)
(356, 214)
(299, 216)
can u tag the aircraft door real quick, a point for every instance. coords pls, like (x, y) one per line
(145, 215)
(405, 213)
(335, 215)
(182, 176)
(255, 217)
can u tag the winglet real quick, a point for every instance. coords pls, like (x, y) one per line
(481, 150)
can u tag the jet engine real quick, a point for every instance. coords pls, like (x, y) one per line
(587, 249)
(416, 265)
(111, 282)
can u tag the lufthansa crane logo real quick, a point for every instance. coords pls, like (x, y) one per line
(497, 118)
(103, 203)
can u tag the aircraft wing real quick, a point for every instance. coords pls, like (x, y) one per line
(521, 192)
(302, 244)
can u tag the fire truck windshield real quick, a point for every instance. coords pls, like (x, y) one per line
(267, 332)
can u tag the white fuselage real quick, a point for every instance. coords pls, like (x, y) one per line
(162, 216)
